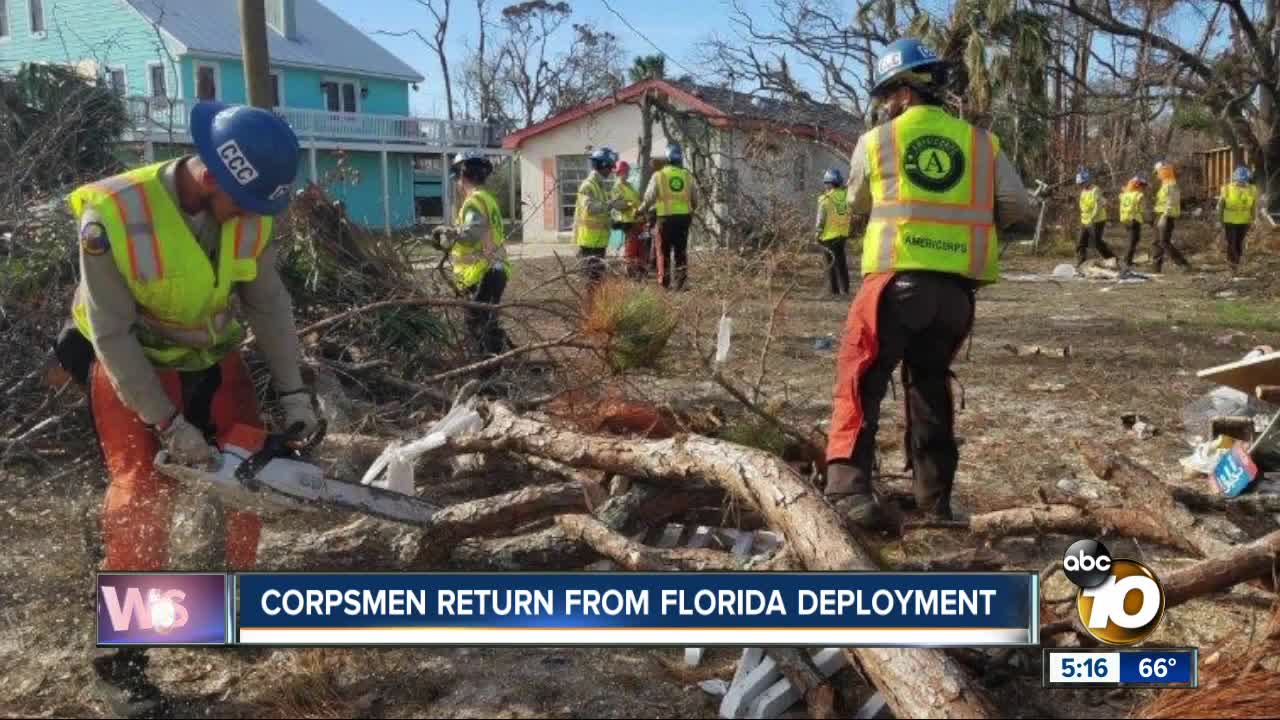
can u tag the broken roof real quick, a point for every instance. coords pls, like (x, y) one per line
(723, 107)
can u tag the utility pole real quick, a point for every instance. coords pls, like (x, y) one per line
(253, 45)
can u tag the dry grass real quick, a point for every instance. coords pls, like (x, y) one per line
(1240, 686)
(308, 688)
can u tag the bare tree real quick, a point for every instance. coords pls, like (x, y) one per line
(526, 66)
(589, 70)
(439, 10)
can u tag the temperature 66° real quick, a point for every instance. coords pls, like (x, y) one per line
(1158, 667)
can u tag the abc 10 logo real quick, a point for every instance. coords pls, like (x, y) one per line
(1120, 601)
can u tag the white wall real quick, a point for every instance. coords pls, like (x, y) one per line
(618, 127)
(766, 176)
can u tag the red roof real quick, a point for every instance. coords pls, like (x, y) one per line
(716, 115)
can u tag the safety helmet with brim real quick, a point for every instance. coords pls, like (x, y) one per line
(251, 152)
(832, 177)
(908, 62)
(474, 158)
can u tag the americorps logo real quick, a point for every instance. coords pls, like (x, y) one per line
(162, 609)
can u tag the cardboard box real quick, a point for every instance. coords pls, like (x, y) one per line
(1235, 471)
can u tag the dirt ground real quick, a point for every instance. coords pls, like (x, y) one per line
(1133, 348)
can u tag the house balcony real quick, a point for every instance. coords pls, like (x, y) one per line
(164, 120)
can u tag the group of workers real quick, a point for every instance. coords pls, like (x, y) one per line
(602, 206)
(165, 248)
(1237, 203)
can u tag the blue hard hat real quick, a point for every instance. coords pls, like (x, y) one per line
(603, 159)
(899, 59)
(252, 153)
(1242, 174)
(470, 157)
(675, 154)
(1083, 177)
(832, 177)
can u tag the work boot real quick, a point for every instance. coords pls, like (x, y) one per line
(860, 510)
(121, 682)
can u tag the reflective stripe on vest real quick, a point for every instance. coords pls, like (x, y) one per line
(835, 214)
(471, 261)
(1169, 200)
(893, 212)
(673, 201)
(590, 229)
(183, 301)
(1131, 206)
(1093, 207)
(1238, 203)
(631, 197)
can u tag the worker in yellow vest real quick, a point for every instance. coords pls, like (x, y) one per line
(1236, 205)
(936, 189)
(625, 219)
(673, 193)
(1134, 211)
(1093, 219)
(832, 228)
(162, 250)
(477, 250)
(1168, 210)
(591, 220)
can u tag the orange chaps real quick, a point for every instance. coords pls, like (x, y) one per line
(858, 350)
(138, 511)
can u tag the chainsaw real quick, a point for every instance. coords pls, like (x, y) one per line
(268, 473)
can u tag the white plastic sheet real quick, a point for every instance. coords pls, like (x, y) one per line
(393, 470)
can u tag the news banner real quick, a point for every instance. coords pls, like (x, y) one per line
(1120, 602)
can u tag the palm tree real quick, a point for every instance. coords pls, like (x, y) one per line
(646, 67)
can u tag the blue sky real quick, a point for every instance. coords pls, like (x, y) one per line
(676, 25)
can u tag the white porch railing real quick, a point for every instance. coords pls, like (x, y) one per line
(159, 119)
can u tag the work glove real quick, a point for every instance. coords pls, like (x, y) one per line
(444, 236)
(185, 444)
(298, 408)
(618, 204)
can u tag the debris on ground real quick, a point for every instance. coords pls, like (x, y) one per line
(1039, 351)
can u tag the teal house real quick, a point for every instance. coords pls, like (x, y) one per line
(345, 96)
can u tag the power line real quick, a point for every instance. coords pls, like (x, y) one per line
(646, 38)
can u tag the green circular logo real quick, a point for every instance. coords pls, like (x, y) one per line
(676, 184)
(934, 163)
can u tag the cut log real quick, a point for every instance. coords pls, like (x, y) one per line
(1253, 503)
(492, 515)
(1143, 489)
(916, 682)
(1071, 520)
(1269, 394)
(649, 503)
(636, 556)
(548, 549)
(1258, 559)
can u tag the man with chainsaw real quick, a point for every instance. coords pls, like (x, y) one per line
(477, 250)
(936, 189)
(166, 250)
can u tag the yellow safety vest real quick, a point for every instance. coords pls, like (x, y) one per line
(1238, 202)
(674, 191)
(933, 196)
(835, 214)
(184, 319)
(590, 230)
(1093, 207)
(472, 260)
(631, 197)
(1169, 200)
(1131, 206)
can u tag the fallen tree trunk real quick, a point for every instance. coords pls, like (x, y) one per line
(493, 514)
(1257, 559)
(637, 556)
(915, 682)
(547, 549)
(1072, 520)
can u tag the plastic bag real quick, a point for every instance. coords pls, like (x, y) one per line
(724, 336)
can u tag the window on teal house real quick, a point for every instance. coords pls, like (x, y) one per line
(155, 76)
(206, 82)
(275, 90)
(37, 15)
(4, 19)
(339, 96)
(116, 80)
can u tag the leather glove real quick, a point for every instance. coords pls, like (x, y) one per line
(444, 236)
(185, 444)
(618, 204)
(298, 409)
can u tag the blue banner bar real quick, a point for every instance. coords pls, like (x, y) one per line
(935, 609)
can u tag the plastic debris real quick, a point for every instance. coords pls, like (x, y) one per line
(393, 470)
(824, 343)
(724, 336)
(715, 686)
(1065, 271)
